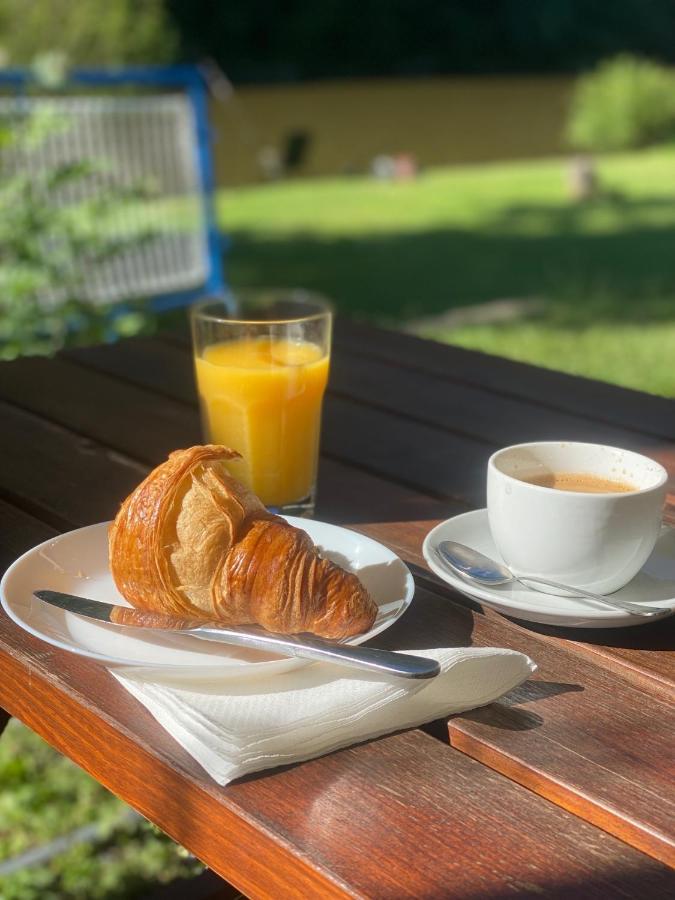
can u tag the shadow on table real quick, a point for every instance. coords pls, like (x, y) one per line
(650, 880)
(342, 503)
(429, 622)
(657, 635)
(509, 715)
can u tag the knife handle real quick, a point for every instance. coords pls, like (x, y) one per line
(310, 647)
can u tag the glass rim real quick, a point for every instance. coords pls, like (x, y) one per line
(325, 308)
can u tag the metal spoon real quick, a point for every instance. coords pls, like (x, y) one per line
(474, 566)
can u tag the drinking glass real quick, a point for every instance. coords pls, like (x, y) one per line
(261, 363)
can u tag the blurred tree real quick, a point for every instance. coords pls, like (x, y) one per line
(89, 32)
(626, 103)
(281, 40)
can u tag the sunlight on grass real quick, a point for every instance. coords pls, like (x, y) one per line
(602, 270)
(463, 197)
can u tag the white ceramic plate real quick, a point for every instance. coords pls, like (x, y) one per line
(77, 563)
(654, 585)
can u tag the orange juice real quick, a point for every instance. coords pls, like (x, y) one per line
(263, 397)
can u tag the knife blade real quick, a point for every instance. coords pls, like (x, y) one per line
(306, 646)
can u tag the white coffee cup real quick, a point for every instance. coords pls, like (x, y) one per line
(594, 541)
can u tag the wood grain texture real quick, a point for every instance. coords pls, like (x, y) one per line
(161, 366)
(168, 791)
(65, 478)
(390, 385)
(576, 733)
(20, 532)
(301, 831)
(351, 432)
(148, 431)
(595, 400)
(637, 653)
(456, 407)
(582, 738)
(477, 412)
(563, 710)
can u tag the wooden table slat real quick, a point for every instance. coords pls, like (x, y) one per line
(467, 412)
(565, 736)
(461, 408)
(150, 363)
(133, 424)
(65, 478)
(596, 400)
(360, 435)
(471, 411)
(613, 765)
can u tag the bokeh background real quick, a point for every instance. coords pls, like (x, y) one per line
(498, 175)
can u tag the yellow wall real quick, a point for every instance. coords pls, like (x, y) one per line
(442, 121)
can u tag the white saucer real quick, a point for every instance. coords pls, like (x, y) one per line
(654, 585)
(77, 563)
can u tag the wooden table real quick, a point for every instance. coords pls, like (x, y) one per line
(563, 788)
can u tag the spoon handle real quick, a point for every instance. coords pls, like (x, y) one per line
(632, 608)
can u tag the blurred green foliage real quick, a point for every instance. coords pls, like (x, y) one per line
(46, 246)
(45, 796)
(89, 32)
(625, 104)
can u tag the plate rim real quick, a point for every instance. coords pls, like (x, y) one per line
(252, 668)
(555, 615)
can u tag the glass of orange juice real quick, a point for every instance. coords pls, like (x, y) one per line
(261, 364)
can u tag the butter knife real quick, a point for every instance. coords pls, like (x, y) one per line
(307, 646)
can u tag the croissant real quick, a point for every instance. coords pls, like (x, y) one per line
(192, 541)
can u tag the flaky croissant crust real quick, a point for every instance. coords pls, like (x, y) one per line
(194, 542)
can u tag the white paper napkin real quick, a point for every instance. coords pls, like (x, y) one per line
(240, 726)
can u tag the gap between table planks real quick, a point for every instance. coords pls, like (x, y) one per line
(649, 835)
(328, 810)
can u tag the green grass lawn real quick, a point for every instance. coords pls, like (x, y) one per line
(604, 270)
